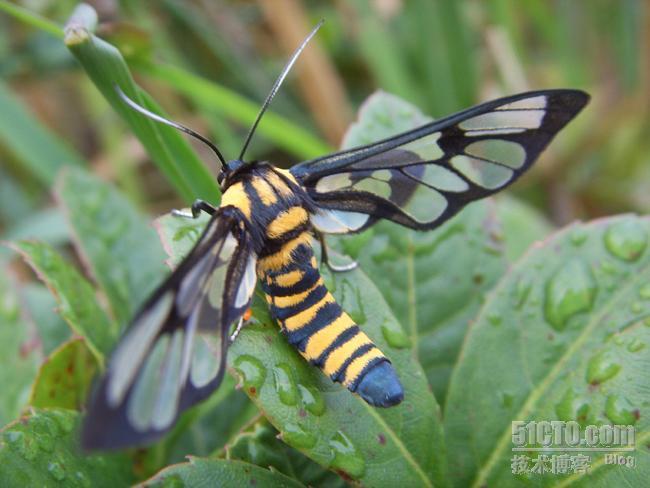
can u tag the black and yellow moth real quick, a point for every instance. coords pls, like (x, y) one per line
(263, 230)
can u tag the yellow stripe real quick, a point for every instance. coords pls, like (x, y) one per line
(283, 256)
(324, 338)
(236, 196)
(338, 356)
(292, 300)
(303, 318)
(355, 368)
(278, 183)
(286, 173)
(286, 221)
(314, 263)
(264, 191)
(288, 279)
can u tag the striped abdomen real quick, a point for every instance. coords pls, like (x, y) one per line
(312, 320)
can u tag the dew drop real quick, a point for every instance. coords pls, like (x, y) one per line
(312, 399)
(570, 291)
(285, 384)
(635, 345)
(495, 319)
(252, 371)
(601, 368)
(346, 456)
(82, 479)
(395, 336)
(25, 445)
(506, 399)
(298, 437)
(620, 411)
(521, 292)
(572, 407)
(56, 470)
(626, 239)
(578, 237)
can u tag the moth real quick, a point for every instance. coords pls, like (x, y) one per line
(263, 231)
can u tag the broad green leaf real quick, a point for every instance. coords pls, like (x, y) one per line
(39, 307)
(522, 225)
(433, 281)
(19, 349)
(42, 449)
(106, 68)
(206, 428)
(260, 445)
(179, 234)
(219, 472)
(64, 378)
(40, 151)
(114, 240)
(76, 297)
(325, 421)
(564, 336)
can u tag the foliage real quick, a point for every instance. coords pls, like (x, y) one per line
(484, 322)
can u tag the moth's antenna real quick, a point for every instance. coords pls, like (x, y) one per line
(276, 87)
(175, 125)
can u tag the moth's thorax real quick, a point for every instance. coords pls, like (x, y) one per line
(275, 206)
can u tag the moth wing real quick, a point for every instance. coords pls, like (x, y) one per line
(423, 177)
(174, 351)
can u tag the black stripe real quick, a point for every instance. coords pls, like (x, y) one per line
(345, 336)
(325, 315)
(309, 279)
(272, 246)
(316, 295)
(364, 371)
(339, 375)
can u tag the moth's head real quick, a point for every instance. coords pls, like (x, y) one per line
(228, 171)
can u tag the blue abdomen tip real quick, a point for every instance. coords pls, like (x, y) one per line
(380, 386)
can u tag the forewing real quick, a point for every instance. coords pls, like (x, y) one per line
(423, 177)
(173, 353)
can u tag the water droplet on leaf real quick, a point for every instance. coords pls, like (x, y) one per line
(570, 291)
(252, 371)
(285, 384)
(626, 239)
(56, 470)
(620, 411)
(395, 336)
(298, 437)
(346, 456)
(601, 368)
(312, 399)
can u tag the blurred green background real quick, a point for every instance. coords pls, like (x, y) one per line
(442, 55)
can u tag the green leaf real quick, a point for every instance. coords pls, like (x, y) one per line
(279, 130)
(564, 336)
(114, 240)
(42, 449)
(170, 151)
(522, 225)
(433, 281)
(325, 421)
(76, 297)
(260, 445)
(19, 350)
(64, 378)
(40, 151)
(39, 306)
(219, 472)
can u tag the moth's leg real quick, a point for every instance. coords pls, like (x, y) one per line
(325, 257)
(197, 207)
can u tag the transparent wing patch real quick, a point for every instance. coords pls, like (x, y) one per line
(173, 354)
(423, 177)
